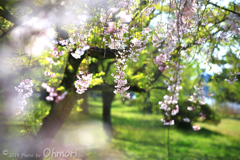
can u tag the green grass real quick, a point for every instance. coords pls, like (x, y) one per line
(140, 136)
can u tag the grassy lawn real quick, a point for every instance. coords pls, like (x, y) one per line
(141, 136)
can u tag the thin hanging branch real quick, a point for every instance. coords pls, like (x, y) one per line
(234, 12)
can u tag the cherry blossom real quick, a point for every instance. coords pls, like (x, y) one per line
(53, 94)
(171, 122)
(175, 111)
(126, 18)
(231, 80)
(196, 127)
(193, 98)
(48, 73)
(25, 91)
(203, 116)
(186, 120)
(79, 52)
(121, 82)
(111, 27)
(83, 82)
(61, 97)
(190, 108)
(50, 61)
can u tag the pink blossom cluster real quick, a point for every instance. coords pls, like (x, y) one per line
(175, 111)
(73, 39)
(116, 24)
(167, 41)
(171, 122)
(126, 18)
(56, 54)
(188, 8)
(232, 79)
(121, 82)
(203, 116)
(134, 55)
(120, 76)
(53, 94)
(119, 29)
(190, 108)
(79, 52)
(50, 61)
(117, 38)
(171, 99)
(128, 5)
(233, 21)
(186, 119)
(117, 41)
(48, 73)
(193, 98)
(169, 34)
(196, 127)
(83, 82)
(160, 60)
(154, 1)
(198, 91)
(147, 11)
(224, 36)
(138, 45)
(64, 42)
(25, 91)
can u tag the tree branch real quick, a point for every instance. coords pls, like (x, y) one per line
(156, 75)
(107, 87)
(163, 88)
(102, 54)
(6, 15)
(140, 69)
(224, 8)
(70, 72)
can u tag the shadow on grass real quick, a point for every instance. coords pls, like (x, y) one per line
(136, 123)
(140, 137)
(141, 142)
(235, 118)
(141, 123)
(202, 132)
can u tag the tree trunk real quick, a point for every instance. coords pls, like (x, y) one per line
(84, 105)
(51, 125)
(60, 111)
(107, 97)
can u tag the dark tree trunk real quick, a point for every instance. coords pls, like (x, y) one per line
(107, 97)
(59, 112)
(51, 125)
(84, 105)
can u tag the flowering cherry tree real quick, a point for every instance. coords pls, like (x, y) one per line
(116, 30)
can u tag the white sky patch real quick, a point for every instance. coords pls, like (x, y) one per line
(211, 68)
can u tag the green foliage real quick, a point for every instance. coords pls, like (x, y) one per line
(77, 107)
(32, 118)
(97, 79)
(225, 91)
(210, 115)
